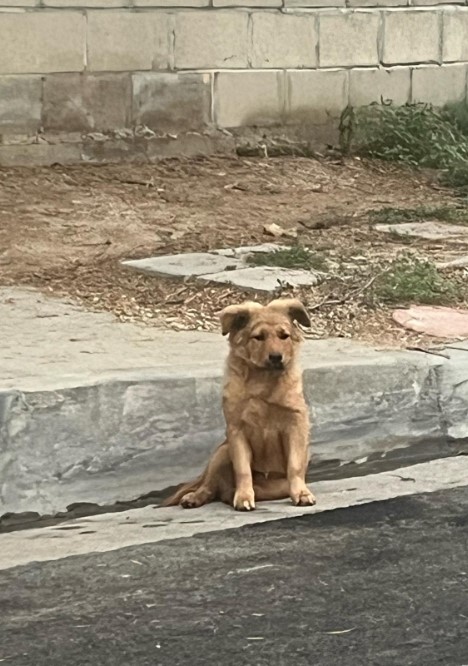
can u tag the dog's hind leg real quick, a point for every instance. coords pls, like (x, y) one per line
(213, 480)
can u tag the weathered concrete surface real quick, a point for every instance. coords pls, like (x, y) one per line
(94, 410)
(411, 36)
(246, 98)
(435, 84)
(374, 85)
(199, 66)
(76, 103)
(113, 531)
(185, 265)
(429, 230)
(349, 38)
(263, 278)
(171, 102)
(20, 103)
(229, 266)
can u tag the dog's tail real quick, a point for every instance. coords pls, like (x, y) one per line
(189, 487)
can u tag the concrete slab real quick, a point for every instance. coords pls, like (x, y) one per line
(228, 266)
(184, 265)
(264, 278)
(52, 344)
(429, 230)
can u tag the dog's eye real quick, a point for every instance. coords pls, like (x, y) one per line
(284, 336)
(260, 336)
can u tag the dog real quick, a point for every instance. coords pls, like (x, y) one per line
(265, 454)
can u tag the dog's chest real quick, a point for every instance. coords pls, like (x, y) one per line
(264, 427)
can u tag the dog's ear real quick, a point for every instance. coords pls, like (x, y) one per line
(293, 308)
(235, 317)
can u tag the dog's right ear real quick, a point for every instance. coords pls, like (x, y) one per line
(235, 317)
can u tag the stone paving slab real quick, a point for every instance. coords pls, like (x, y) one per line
(428, 230)
(263, 278)
(228, 266)
(192, 264)
(435, 320)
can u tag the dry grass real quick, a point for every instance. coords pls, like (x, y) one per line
(65, 231)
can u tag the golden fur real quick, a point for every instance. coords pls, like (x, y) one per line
(265, 454)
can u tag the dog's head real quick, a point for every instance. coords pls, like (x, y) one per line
(265, 336)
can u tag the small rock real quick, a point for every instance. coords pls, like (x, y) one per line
(275, 230)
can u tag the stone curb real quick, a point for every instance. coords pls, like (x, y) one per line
(137, 431)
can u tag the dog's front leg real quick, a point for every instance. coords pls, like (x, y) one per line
(241, 458)
(298, 459)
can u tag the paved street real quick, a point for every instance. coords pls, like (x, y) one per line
(384, 583)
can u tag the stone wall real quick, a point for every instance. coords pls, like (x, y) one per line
(101, 80)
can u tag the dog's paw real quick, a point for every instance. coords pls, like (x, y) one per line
(244, 500)
(303, 497)
(190, 501)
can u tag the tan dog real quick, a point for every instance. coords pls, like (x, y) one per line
(265, 455)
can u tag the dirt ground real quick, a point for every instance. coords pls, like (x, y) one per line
(65, 230)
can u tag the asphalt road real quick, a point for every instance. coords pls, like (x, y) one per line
(380, 584)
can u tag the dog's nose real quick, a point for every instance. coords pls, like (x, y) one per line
(275, 358)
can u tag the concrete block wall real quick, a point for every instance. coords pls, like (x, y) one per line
(114, 80)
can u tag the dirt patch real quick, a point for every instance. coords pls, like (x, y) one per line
(65, 230)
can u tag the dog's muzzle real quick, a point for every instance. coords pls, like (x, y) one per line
(275, 362)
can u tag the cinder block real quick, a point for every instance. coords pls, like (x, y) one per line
(171, 3)
(74, 102)
(39, 154)
(191, 144)
(20, 104)
(316, 97)
(314, 3)
(21, 3)
(439, 84)
(428, 3)
(455, 35)
(96, 4)
(411, 37)
(348, 38)
(127, 41)
(211, 39)
(247, 3)
(244, 99)
(373, 85)
(294, 44)
(378, 3)
(39, 42)
(172, 101)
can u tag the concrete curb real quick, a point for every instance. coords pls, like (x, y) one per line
(136, 431)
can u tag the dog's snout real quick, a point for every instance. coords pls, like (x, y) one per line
(275, 358)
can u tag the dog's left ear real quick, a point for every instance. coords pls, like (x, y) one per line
(235, 317)
(293, 308)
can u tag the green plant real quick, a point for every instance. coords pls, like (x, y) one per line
(415, 134)
(295, 256)
(412, 280)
